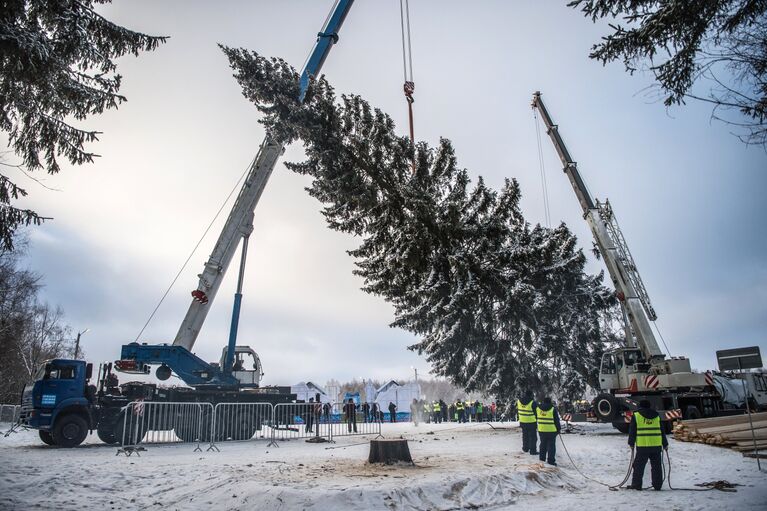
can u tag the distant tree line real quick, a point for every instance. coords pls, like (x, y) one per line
(31, 331)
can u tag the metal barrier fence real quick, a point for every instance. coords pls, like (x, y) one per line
(240, 421)
(344, 421)
(10, 413)
(156, 423)
(292, 421)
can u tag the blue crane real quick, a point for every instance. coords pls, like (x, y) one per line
(178, 358)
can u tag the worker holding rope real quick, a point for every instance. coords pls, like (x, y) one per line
(646, 433)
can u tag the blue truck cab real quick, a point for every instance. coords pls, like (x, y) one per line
(60, 402)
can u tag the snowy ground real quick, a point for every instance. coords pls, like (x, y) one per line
(468, 466)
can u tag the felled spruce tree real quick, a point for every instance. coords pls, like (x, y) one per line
(499, 305)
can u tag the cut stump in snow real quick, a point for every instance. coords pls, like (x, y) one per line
(389, 450)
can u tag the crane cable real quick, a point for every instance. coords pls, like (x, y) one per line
(655, 324)
(407, 66)
(542, 170)
(183, 266)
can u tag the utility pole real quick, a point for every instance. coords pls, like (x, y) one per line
(77, 342)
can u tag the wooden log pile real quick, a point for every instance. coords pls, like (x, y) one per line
(733, 431)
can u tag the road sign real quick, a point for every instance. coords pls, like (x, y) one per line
(739, 359)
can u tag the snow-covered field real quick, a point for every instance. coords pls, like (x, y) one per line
(468, 466)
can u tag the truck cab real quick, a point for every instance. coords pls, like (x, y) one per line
(756, 385)
(621, 368)
(59, 402)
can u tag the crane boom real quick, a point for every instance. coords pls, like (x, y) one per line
(612, 246)
(240, 222)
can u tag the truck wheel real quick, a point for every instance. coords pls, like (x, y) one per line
(46, 437)
(242, 427)
(606, 407)
(623, 427)
(135, 426)
(106, 433)
(70, 430)
(691, 412)
(186, 432)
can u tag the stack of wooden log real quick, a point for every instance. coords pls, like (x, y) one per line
(733, 431)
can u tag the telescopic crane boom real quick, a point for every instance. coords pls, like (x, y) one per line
(239, 225)
(640, 370)
(612, 246)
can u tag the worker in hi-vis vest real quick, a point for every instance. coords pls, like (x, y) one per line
(526, 415)
(547, 419)
(646, 433)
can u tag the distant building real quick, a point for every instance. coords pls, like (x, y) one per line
(354, 396)
(306, 390)
(400, 395)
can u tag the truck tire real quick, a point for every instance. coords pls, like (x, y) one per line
(240, 427)
(70, 430)
(606, 408)
(186, 432)
(106, 433)
(134, 424)
(46, 437)
(623, 427)
(692, 412)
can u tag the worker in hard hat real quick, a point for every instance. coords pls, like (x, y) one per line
(646, 433)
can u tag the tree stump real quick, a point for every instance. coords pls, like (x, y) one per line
(385, 450)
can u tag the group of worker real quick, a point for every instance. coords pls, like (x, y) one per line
(439, 411)
(646, 435)
(539, 421)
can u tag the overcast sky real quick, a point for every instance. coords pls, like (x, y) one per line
(689, 196)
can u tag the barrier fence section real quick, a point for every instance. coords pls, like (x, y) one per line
(158, 423)
(10, 413)
(240, 421)
(299, 420)
(347, 419)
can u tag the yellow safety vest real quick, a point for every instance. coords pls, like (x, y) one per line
(648, 431)
(436, 407)
(546, 420)
(525, 412)
(459, 406)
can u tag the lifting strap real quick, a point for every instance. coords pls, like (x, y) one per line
(407, 66)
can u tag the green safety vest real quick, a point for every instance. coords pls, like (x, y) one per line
(546, 421)
(525, 412)
(479, 408)
(648, 431)
(436, 407)
(459, 406)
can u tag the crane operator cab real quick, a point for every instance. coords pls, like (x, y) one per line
(619, 367)
(246, 366)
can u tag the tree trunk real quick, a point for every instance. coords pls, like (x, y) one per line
(389, 451)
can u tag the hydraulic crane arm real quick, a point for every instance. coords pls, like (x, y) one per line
(240, 222)
(613, 248)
